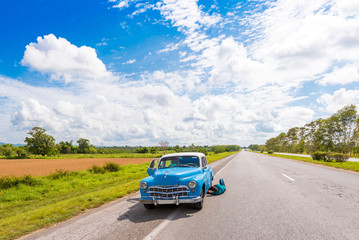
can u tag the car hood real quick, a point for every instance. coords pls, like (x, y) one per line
(171, 176)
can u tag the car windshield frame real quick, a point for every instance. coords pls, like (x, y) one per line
(179, 161)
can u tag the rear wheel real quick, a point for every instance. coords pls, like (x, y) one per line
(199, 205)
(149, 206)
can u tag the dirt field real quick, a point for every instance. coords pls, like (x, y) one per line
(43, 167)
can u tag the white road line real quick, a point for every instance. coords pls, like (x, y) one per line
(220, 170)
(288, 177)
(162, 225)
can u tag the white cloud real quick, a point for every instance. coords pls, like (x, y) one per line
(347, 8)
(177, 82)
(229, 62)
(121, 4)
(63, 60)
(340, 98)
(293, 116)
(186, 15)
(130, 61)
(349, 73)
(101, 44)
(300, 40)
(170, 47)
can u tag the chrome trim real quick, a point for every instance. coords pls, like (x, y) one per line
(168, 191)
(170, 201)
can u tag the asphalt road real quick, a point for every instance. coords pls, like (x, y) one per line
(266, 198)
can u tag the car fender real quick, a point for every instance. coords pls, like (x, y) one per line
(200, 180)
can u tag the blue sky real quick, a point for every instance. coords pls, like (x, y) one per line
(125, 72)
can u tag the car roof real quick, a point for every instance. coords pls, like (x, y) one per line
(197, 154)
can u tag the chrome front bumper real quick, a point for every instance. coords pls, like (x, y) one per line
(170, 201)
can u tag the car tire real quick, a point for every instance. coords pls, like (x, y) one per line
(149, 206)
(199, 205)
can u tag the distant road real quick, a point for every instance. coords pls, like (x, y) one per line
(266, 198)
(305, 155)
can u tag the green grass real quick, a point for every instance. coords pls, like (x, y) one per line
(354, 166)
(211, 157)
(28, 203)
(25, 208)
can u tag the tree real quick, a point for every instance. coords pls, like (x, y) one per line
(254, 147)
(65, 147)
(40, 142)
(153, 149)
(11, 151)
(142, 150)
(292, 136)
(84, 145)
(339, 132)
(164, 146)
(344, 128)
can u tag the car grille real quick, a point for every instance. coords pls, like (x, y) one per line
(168, 192)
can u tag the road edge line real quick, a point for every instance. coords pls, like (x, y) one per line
(288, 177)
(162, 225)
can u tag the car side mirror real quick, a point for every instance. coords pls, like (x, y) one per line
(153, 166)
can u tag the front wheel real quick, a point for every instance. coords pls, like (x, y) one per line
(149, 206)
(199, 205)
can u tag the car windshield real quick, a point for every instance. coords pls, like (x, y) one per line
(180, 161)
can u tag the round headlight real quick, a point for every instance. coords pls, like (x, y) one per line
(192, 184)
(143, 185)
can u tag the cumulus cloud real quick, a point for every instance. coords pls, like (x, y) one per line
(340, 98)
(302, 40)
(63, 60)
(179, 82)
(347, 8)
(349, 73)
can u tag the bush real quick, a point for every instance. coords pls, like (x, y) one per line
(59, 174)
(270, 151)
(8, 182)
(109, 167)
(329, 157)
(97, 169)
(112, 167)
(319, 156)
(338, 157)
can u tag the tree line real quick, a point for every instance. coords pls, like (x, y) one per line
(41, 143)
(338, 133)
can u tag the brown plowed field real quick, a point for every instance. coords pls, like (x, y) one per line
(43, 167)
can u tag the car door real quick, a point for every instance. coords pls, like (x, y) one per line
(206, 172)
(153, 166)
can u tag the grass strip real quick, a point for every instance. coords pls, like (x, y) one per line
(54, 198)
(27, 208)
(215, 157)
(353, 166)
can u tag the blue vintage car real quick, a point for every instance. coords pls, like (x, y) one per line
(176, 178)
